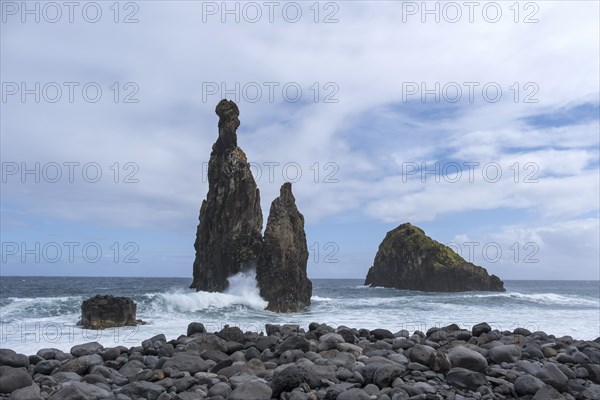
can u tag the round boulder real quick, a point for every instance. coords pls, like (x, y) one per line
(509, 353)
(253, 389)
(422, 354)
(13, 359)
(527, 384)
(12, 379)
(465, 379)
(480, 329)
(464, 357)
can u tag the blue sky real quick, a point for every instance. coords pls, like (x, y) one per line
(361, 136)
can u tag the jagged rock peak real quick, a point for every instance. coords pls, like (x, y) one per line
(409, 259)
(229, 235)
(281, 272)
(228, 113)
(285, 194)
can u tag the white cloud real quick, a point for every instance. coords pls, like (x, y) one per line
(551, 252)
(369, 54)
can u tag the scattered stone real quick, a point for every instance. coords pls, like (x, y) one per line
(386, 374)
(27, 393)
(553, 376)
(548, 393)
(195, 327)
(380, 334)
(12, 379)
(81, 390)
(505, 353)
(86, 349)
(522, 331)
(527, 384)
(424, 355)
(13, 359)
(463, 357)
(287, 380)
(219, 389)
(46, 367)
(253, 389)
(187, 362)
(81, 364)
(480, 329)
(354, 394)
(142, 390)
(293, 343)
(465, 379)
(319, 364)
(111, 353)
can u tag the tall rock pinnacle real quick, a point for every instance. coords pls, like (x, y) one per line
(228, 238)
(281, 272)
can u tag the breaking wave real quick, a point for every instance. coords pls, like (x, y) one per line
(242, 291)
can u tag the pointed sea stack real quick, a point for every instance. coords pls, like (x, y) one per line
(409, 259)
(228, 238)
(281, 272)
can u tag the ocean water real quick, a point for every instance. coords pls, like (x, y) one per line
(38, 312)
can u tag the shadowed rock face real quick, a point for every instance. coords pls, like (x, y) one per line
(408, 259)
(281, 272)
(228, 238)
(107, 311)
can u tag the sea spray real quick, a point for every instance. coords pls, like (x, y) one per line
(244, 285)
(242, 291)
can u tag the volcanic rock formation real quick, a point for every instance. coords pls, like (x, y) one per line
(281, 272)
(108, 311)
(228, 238)
(409, 259)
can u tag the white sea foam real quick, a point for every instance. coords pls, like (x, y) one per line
(242, 291)
(319, 298)
(42, 306)
(545, 298)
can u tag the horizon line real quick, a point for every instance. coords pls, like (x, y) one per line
(185, 277)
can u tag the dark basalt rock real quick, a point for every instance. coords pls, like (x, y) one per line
(107, 311)
(408, 259)
(287, 368)
(281, 272)
(228, 238)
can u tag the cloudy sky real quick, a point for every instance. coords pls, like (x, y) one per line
(478, 122)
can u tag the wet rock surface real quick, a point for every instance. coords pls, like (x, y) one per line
(229, 235)
(106, 311)
(409, 259)
(320, 363)
(281, 272)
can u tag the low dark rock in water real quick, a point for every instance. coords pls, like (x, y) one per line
(106, 311)
(281, 272)
(409, 259)
(324, 363)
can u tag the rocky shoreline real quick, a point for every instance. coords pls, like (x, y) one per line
(289, 362)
